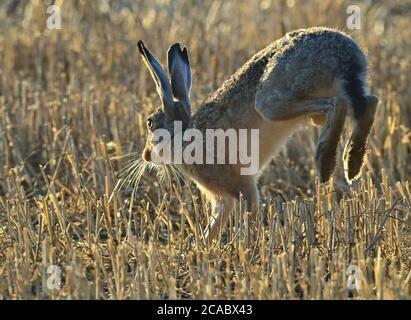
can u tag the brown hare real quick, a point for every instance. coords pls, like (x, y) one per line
(317, 73)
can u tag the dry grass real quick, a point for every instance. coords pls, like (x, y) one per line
(72, 105)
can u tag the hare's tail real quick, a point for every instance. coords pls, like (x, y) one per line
(364, 107)
(355, 87)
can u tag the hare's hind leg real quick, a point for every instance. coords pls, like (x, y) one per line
(335, 109)
(286, 109)
(355, 148)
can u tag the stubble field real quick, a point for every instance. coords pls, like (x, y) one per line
(72, 115)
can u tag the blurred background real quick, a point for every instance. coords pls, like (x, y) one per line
(88, 76)
(73, 103)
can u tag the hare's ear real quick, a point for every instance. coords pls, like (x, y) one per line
(180, 73)
(159, 75)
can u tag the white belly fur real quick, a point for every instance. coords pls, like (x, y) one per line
(274, 134)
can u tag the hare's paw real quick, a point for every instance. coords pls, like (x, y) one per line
(353, 157)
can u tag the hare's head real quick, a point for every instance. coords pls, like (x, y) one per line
(174, 92)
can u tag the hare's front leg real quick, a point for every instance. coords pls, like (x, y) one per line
(221, 209)
(330, 135)
(223, 205)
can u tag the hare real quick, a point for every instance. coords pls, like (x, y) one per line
(317, 73)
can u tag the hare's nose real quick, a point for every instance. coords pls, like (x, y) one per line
(146, 155)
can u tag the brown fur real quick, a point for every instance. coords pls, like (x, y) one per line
(297, 77)
(326, 153)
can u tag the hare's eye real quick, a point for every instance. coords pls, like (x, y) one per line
(149, 123)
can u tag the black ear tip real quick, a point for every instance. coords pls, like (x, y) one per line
(175, 46)
(140, 46)
(185, 54)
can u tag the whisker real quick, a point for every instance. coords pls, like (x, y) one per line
(137, 172)
(184, 179)
(131, 174)
(130, 166)
(124, 156)
(180, 175)
(137, 178)
(168, 177)
(127, 172)
(176, 177)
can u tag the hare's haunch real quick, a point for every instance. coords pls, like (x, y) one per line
(315, 73)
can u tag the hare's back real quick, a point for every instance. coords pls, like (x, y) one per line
(310, 62)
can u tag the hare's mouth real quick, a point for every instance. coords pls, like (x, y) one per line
(146, 155)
